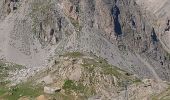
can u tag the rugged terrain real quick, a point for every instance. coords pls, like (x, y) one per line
(132, 35)
(82, 77)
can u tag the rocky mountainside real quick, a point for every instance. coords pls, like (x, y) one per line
(132, 35)
(77, 76)
(159, 9)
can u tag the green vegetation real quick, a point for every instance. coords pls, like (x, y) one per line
(25, 89)
(70, 86)
(167, 56)
(3, 90)
(98, 63)
(107, 69)
(137, 80)
(6, 67)
(73, 54)
(12, 93)
(89, 64)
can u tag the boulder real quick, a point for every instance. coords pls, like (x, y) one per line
(47, 79)
(51, 90)
(76, 73)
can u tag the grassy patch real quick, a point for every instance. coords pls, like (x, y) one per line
(89, 64)
(167, 56)
(5, 68)
(14, 93)
(137, 80)
(109, 70)
(70, 86)
(106, 69)
(3, 90)
(73, 54)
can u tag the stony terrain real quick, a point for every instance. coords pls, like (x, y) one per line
(132, 35)
(80, 77)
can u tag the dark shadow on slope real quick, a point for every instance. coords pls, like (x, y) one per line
(117, 26)
(133, 23)
(154, 38)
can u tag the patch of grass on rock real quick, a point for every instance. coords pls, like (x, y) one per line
(21, 90)
(73, 54)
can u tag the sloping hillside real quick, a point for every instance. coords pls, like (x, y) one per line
(80, 76)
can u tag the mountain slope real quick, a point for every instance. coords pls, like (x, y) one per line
(83, 76)
(118, 31)
(42, 35)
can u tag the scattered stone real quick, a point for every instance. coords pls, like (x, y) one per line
(80, 61)
(115, 81)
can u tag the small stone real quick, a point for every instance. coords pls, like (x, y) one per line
(147, 82)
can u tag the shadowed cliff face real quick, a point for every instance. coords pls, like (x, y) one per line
(117, 25)
(159, 11)
(37, 31)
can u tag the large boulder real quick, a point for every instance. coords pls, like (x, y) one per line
(51, 90)
(47, 80)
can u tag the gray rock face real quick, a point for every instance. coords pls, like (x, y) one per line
(119, 31)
